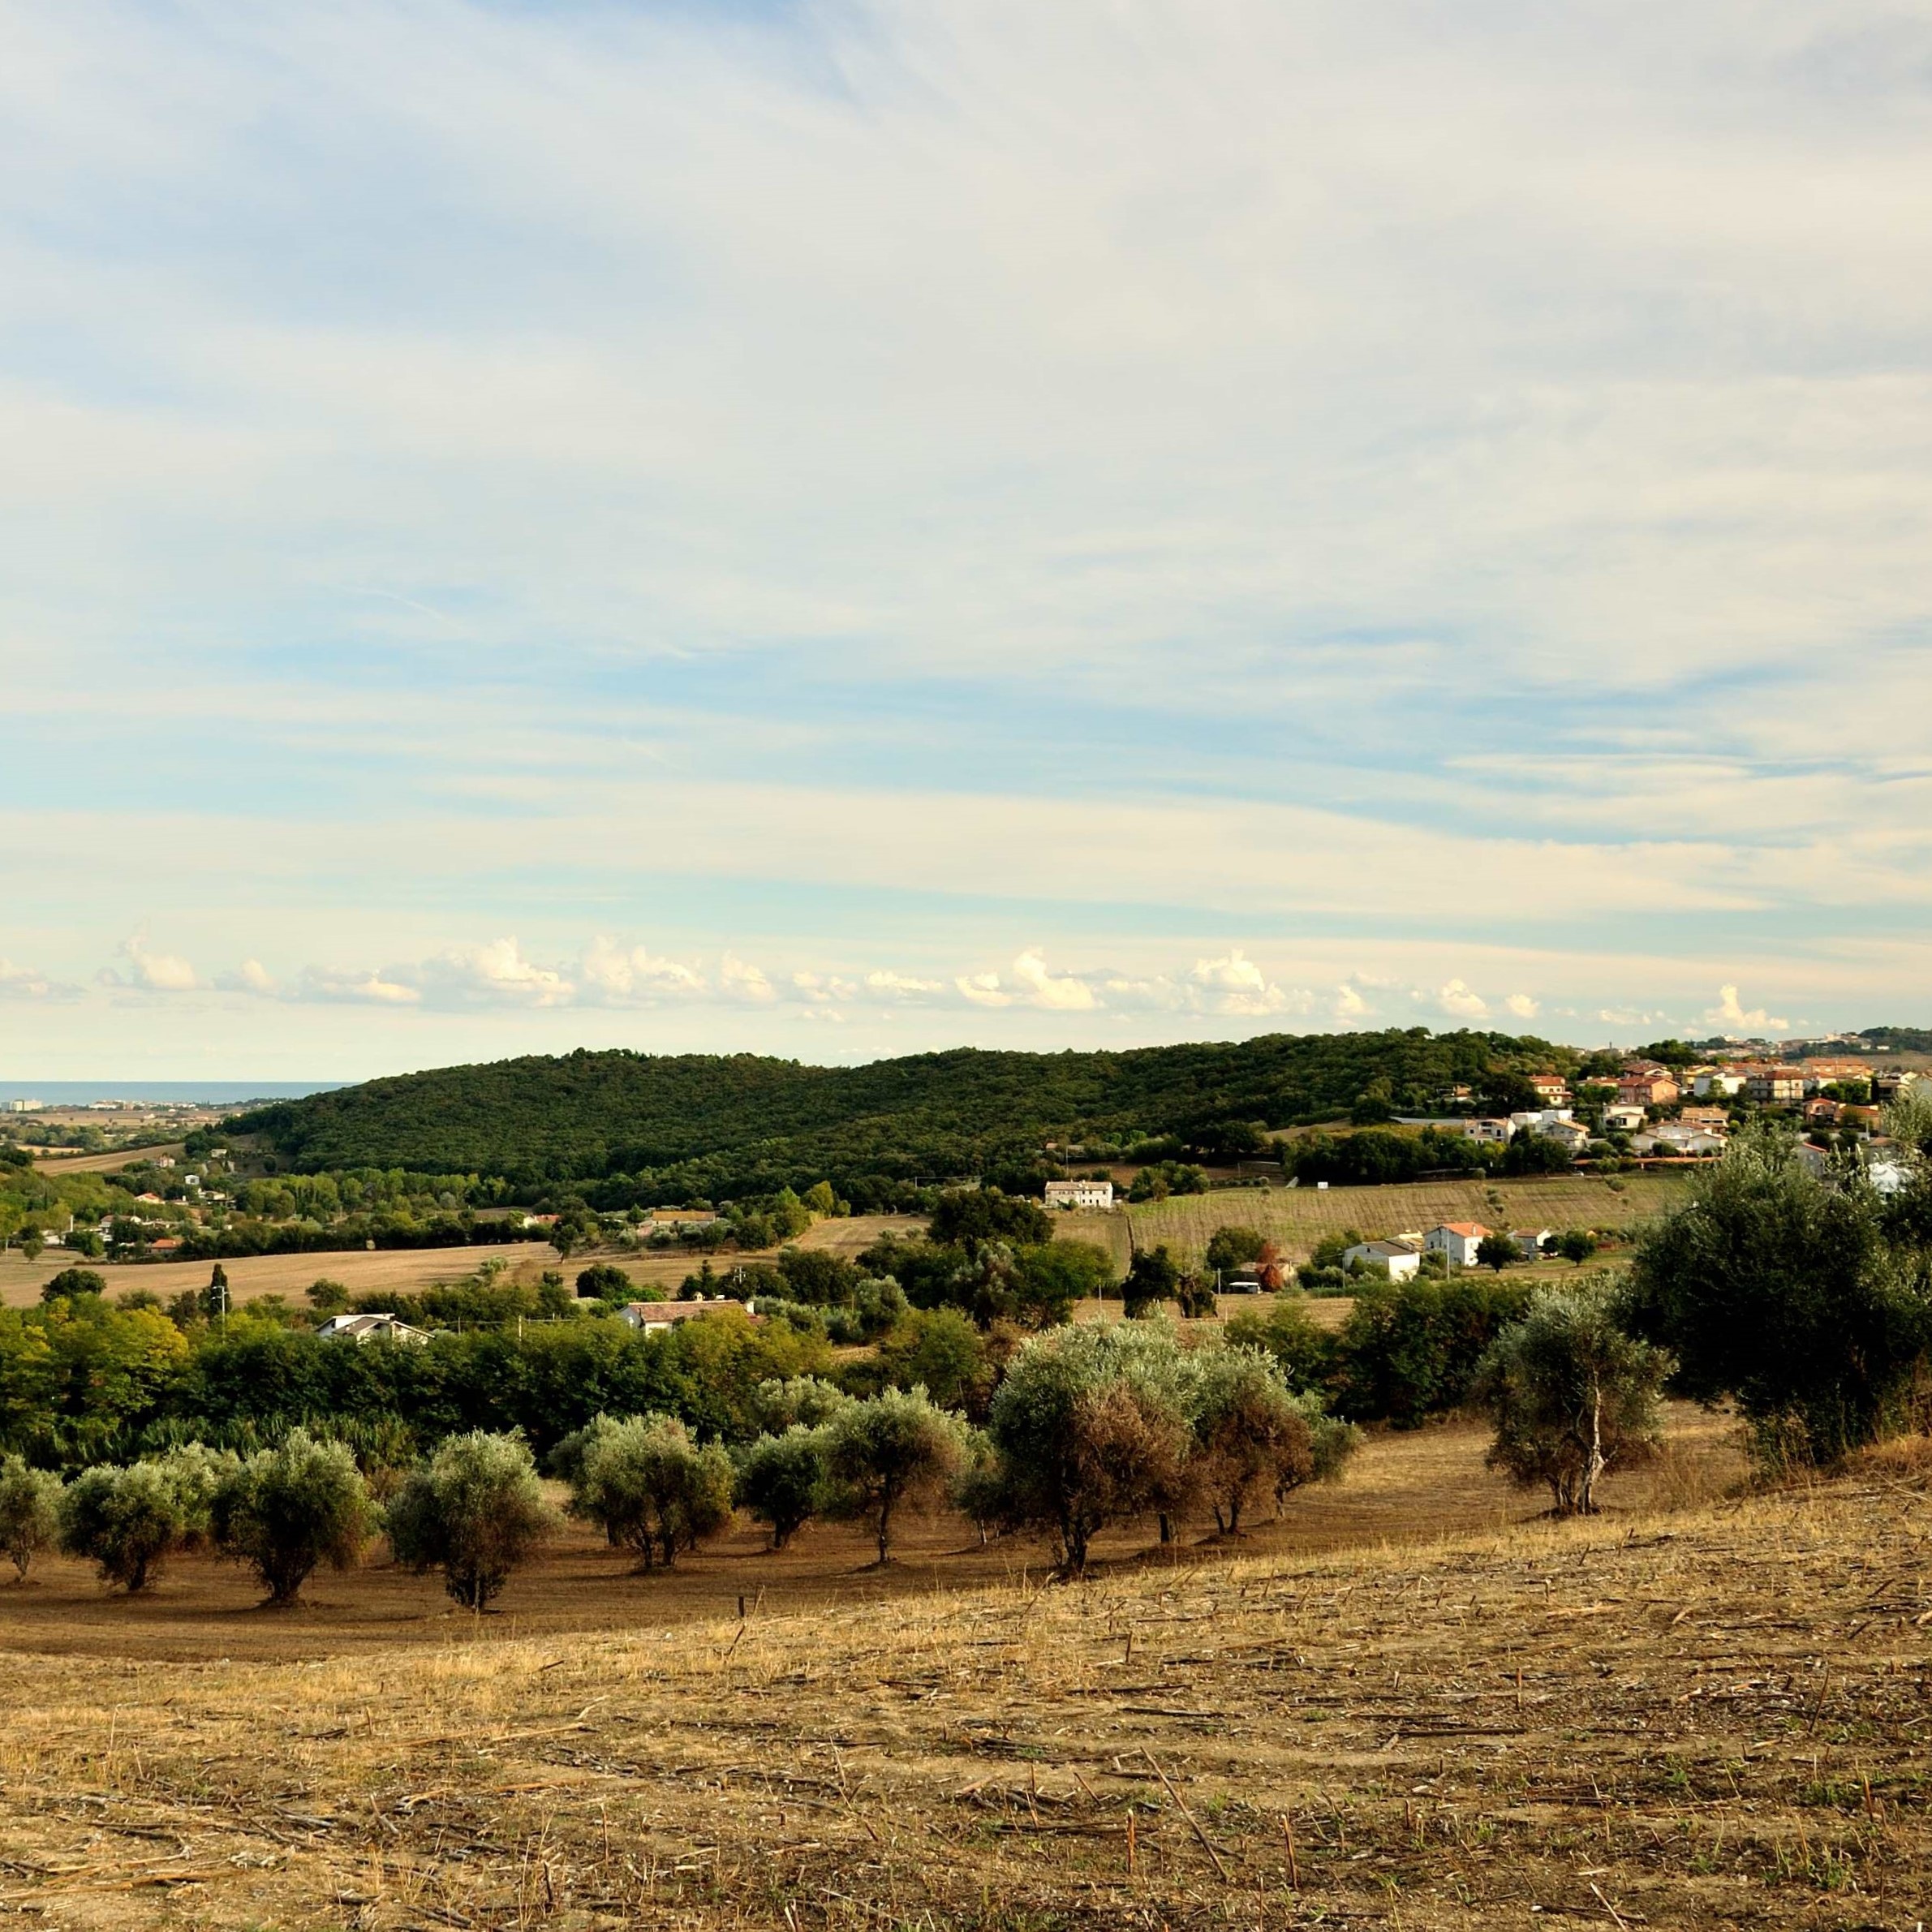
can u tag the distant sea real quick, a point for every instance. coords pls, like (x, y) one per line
(203, 1093)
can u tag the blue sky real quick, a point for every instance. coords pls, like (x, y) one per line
(840, 529)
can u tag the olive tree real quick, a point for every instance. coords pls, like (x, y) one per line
(287, 1510)
(652, 1488)
(1250, 1437)
(29, 1512)
(781, 1401)
(476, 1511)
(896, 1450)
(1572, 1396)
(1091, 1428)
(124, 1520)
(1780, 1291)
(782, 1480)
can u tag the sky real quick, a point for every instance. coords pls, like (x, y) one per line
(840, 529)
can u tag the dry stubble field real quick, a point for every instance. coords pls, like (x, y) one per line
(404, 1269)
(1694, 1710)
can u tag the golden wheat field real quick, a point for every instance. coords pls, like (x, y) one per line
(1700, 1708)
(1296, 1218)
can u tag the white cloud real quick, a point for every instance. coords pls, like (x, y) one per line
(1056, 992)
(901, 986)
(494, 974)
(822, 989)
(330, 986)
(1349, 1004)
(253, 976)
(1236, 987)
(739, 980)
(22, 982)
(611, 975)
(1456, 1000)
(150, 971)
(1728, 1015)
(982, 989)
(1521, 1007)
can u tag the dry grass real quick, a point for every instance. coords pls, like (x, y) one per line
(110, 1163)
(1699, 1717)
(1296, 1218)
(400, 1270)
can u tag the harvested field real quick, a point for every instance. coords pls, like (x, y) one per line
(1296, 1218)
(402, 1269)
(1708, 1714)
(110, 1163)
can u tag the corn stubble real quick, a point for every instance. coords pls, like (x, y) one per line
(1701, 1716)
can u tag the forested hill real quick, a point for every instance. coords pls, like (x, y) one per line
(721, 1124)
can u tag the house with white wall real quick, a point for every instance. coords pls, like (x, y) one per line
(1080, 1194)
(1398, 1259)
(1458, 1240)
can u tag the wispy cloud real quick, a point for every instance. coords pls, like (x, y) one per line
(955, 512)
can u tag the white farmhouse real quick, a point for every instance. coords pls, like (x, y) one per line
(1398, 1260)
(651, 1316)
(371, 1327)
(1080, 1194)
(1458, 1240)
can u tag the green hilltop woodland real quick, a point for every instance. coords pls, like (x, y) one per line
(640, 1129)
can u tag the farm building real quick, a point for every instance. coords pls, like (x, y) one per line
(1080, 1194)
(1398, 1259)
(651, 1316)
(1458, 1240)
(371, 1327)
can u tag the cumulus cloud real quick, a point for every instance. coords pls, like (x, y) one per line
(331, 986)
(739, 980)
(901, 986)
(22, 982)
(982, 989)
(1521, 1007)
(495, 974)
(613, 975)
(1460, 1002)
(1236, 986)
(1061, 993)
(1729, 1016)
(252, 976)
(1349, 1004)
(821, 989)
(148, 970)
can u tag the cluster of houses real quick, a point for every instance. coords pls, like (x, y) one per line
(1644, 1090)
(1400, 1256)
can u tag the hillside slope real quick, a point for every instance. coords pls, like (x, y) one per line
(1699, 1718)
(724, 1122)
